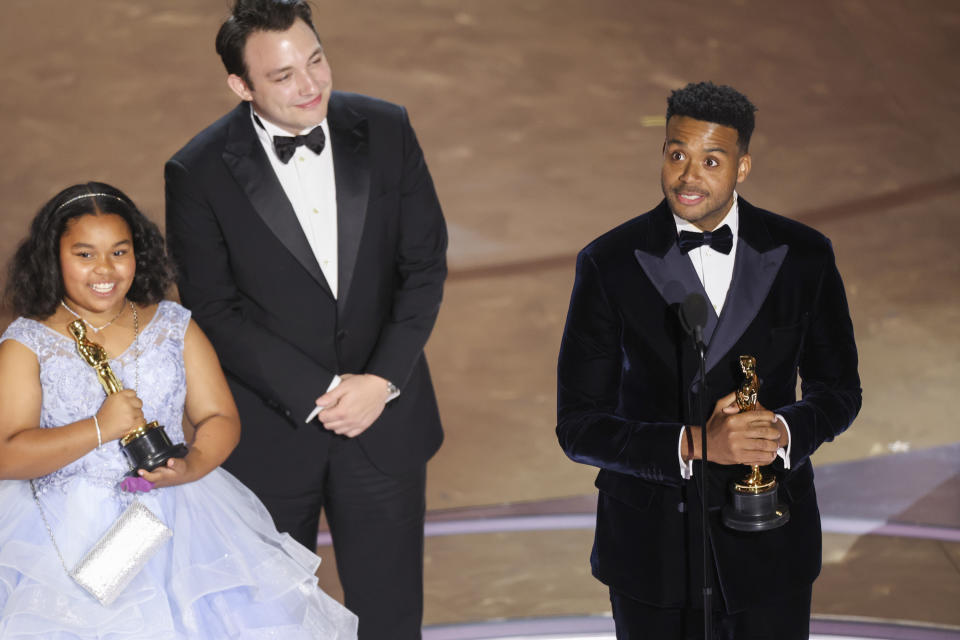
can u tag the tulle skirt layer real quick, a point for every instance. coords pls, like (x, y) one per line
(226, 573)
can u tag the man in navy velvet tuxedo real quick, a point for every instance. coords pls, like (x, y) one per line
(628, 387)
(311, 249)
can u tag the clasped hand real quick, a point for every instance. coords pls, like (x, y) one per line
(353, 405)
(750, 437)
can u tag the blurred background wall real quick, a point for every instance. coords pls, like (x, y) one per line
(542, 122)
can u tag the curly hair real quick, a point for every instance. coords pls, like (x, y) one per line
(715, 103)
(35, 281)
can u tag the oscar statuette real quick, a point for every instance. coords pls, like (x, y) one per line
(146, 447)
(753, 499)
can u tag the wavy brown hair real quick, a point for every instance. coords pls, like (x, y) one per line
(35, 282)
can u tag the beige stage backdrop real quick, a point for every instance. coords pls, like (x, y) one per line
(542, 122)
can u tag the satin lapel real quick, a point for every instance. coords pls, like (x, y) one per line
(247, 161)
(669, 270)
(351, 165)
(675, 278)
(754, 269)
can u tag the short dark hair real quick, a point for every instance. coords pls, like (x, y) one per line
(249, 16)
(715, 103)
(35, 281)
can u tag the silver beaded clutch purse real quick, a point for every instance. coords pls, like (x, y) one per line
(119, 555)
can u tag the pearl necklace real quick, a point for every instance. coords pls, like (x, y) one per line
(87, 322)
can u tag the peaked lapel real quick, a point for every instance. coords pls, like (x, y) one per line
(668, 269)
(755, 267)
(248, 162)
(349, 133)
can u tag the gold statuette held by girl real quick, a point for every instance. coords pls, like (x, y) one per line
(146, 446)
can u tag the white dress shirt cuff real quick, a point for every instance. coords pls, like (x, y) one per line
(784, 453)
(333, 385)
(686, 466)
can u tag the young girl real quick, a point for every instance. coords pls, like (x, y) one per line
(226, 572)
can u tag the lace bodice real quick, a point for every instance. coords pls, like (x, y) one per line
(72, 392)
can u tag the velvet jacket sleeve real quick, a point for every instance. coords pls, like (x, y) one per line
(830, 384)
(591, 427)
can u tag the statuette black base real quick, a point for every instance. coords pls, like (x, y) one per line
(755, 511)
(151, 449)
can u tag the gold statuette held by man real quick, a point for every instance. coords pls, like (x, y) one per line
(146, 446)
(753, 500)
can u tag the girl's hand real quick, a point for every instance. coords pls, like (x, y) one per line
(175, 471)
(119, 414)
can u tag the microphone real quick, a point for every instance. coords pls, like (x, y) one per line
(693, 316)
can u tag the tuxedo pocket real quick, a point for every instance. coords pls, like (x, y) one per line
(385, 199)
(633, 492)
(786, 331)
(797, 483)
(784, 344)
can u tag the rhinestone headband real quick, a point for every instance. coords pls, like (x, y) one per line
(88, 195)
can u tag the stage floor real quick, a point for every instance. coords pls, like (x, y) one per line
(542, 122)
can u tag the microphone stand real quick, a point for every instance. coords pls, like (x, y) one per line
(693, 317)
(707, 587)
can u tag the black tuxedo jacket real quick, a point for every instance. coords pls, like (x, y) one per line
(626, 376)
(254, 286)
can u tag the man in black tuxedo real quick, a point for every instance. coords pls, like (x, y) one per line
(628, 387)
(311, 250)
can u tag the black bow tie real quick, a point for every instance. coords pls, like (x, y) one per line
(286, 146)
(720, 240)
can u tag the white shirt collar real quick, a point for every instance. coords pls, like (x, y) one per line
(732, 218)
(266, 130)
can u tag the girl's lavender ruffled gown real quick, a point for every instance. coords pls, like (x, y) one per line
(226, 573)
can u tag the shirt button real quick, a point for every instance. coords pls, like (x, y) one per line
(315, 210)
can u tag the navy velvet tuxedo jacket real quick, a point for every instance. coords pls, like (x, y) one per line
(254, 286)
(628, 381)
